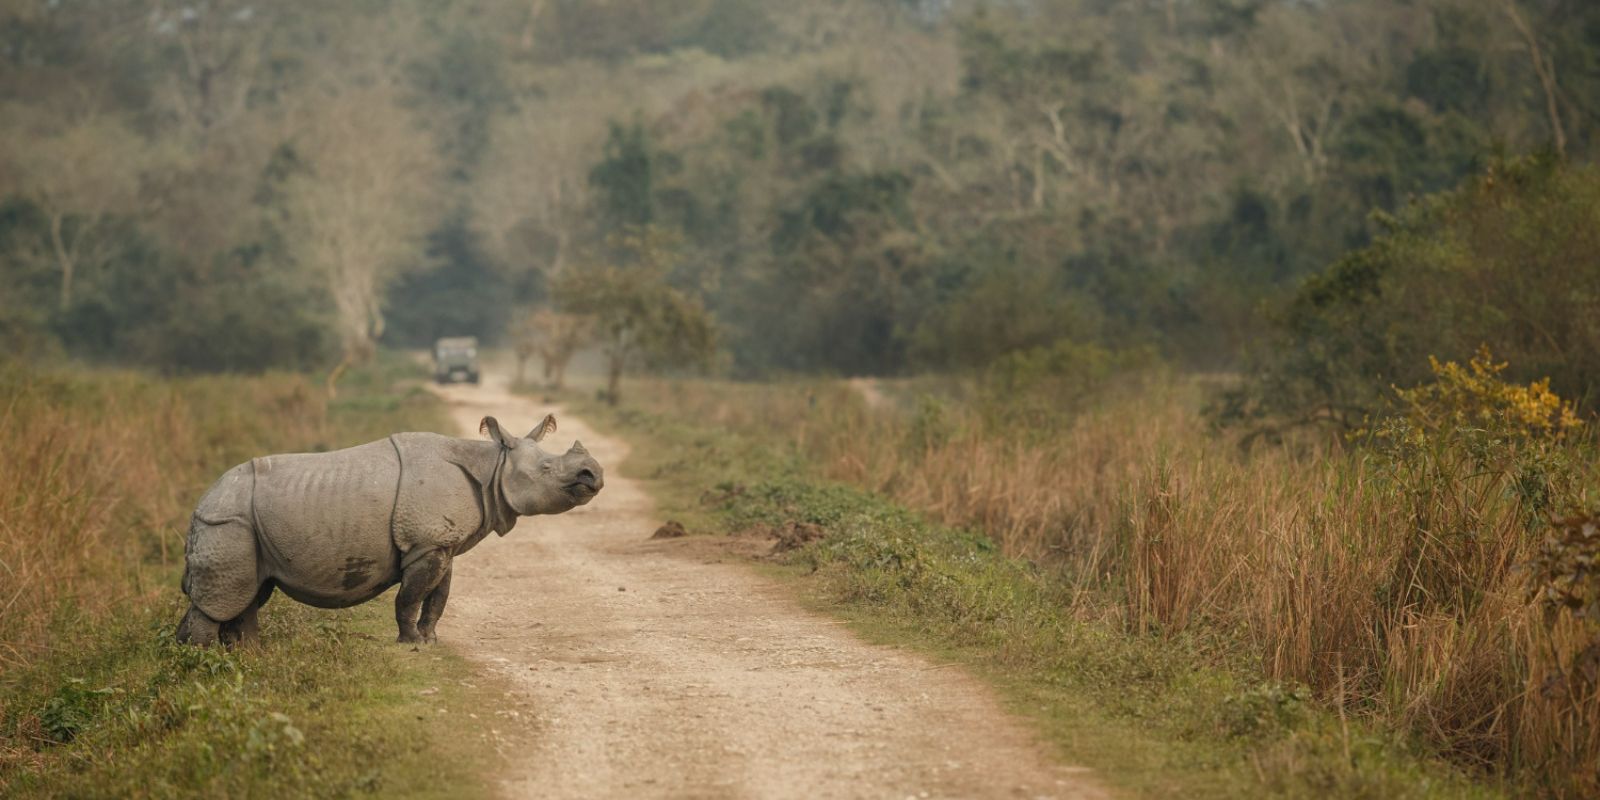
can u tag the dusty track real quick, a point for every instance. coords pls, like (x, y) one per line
(650, 671)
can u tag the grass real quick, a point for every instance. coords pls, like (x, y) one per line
(1161, 602)
(100, 470)
(328, 707)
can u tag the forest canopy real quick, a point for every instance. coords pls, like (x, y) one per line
(854, 186)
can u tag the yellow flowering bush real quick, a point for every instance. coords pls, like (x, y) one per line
(1481, 464)
(1470, 421)
(1474, 397)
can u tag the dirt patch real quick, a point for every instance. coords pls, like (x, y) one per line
(712, 548)
(870, 392)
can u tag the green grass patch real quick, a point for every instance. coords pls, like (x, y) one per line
(328, 706)
(1152, 716)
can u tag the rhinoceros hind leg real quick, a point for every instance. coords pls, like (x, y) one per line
(416, 583)
(197, 628)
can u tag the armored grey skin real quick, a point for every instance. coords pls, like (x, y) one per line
(337, 529)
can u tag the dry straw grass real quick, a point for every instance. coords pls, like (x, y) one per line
(1390, 594)
(97, 473)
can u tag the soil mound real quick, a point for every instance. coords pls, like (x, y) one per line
(671, 530)
(795, 535)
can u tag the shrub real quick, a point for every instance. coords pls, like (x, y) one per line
(1511, 258)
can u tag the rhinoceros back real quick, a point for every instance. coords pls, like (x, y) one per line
(323, 522)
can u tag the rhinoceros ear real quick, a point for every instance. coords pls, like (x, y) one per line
(544, 428)
(490, 427)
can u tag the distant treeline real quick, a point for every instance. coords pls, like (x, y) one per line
(861, 186)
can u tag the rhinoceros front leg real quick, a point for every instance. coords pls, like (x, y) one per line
(433, 606)
(416, 583)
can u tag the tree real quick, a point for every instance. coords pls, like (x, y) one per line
(357, 215)
(79, 174)
(637, 315)
(1545, 68)
(554, 337)
(524, 344)
(560, 338)
(623, 178)
(458, 291)
(221, 46)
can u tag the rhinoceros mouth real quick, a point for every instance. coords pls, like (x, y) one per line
(585, 485)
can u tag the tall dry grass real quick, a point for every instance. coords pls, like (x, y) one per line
(98, 471)
(1392, 594)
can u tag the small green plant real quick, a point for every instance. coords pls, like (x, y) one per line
(1264, 709)
(271, 735)
(73, 708)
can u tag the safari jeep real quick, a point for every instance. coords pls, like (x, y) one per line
(456, 359)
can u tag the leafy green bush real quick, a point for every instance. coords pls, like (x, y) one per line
(1264, 709)
(1512, 260)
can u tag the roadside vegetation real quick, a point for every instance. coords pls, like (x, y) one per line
(1338, 620)
(1379, 516)
(98, 473)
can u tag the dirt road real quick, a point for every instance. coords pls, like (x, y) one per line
(649, 671)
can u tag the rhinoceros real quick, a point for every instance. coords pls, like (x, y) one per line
(336, 529)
